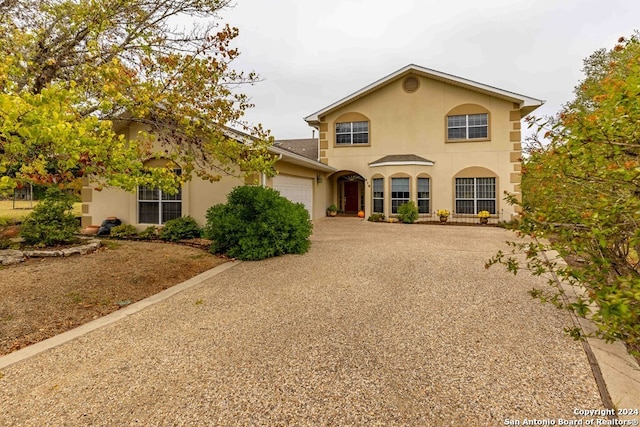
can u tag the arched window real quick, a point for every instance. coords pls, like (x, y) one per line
(423, 196)
(377, 193)
(400, 192)
(467, 122)
(352, 129)
(475, 191)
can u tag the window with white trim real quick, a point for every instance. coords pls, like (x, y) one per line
(378, 195)
(468, 126)
(157, 207)
(475, 194)
(399, 193)
(352, 133)
(424, 196)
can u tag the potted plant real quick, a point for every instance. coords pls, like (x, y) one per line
(332, 210)
(484, 217)
(443, 214)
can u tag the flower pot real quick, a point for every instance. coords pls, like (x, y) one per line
(91, 230)
(332, 213)
(484, 220)
(444, 218)
(10, 231)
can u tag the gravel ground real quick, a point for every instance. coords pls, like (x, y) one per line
(379, 324)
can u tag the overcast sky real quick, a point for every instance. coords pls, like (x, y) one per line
(311, 54)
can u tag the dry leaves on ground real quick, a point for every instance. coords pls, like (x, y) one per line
(45, 297)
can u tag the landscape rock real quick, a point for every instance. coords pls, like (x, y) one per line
(10, 256)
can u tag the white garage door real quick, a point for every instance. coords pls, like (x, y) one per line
(296, 189)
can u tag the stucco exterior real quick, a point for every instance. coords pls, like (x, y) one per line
(411, 138)
(199, 195)
(407, 116)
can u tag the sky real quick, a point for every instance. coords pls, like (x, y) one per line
(311, 54)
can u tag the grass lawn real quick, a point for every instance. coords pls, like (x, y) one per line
(22, 209)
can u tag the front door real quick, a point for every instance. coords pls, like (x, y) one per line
(351, 204)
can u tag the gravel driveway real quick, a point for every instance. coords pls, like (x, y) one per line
(379, 324)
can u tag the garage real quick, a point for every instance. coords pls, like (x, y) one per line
(296, 189)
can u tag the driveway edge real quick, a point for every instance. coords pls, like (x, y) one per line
(616, 372)
(55, 341)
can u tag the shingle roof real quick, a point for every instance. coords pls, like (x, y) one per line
(401, 159)
(307, 147)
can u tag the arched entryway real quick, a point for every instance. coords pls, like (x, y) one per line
(350, 192)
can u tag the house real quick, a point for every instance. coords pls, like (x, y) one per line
(443, 141)
(299, 178)
(417, 134)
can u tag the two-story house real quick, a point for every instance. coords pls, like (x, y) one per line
(417, 134)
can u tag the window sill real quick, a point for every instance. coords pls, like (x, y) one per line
(350, 145)
(467, 140)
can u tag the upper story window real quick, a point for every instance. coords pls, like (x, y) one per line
(468, 126)
(351, 133)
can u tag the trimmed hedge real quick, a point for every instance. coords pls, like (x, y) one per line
(257, 223)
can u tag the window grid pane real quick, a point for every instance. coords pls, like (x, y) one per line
(464, 207)
(171, 210)
(149, 212)
(148, 193)
(399, 193)
(360, 138)
(478, 132)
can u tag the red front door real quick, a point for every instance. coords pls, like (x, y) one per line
(351, 204)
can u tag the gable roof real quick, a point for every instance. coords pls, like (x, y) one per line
(527, 103)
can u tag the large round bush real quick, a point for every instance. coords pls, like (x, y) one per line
(257, 223)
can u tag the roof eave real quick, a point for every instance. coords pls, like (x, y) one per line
(299, 160)
(527, 103)
(405, 163)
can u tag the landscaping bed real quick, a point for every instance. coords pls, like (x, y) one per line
(43, 297)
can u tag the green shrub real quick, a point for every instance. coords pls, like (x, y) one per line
(51, 222)
(149, 233)
(408, 212)
(376, 217)
(180, 228)
(258, 223)
(124, 231)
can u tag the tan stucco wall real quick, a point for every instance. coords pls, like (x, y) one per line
(415, 123)
(198, 195)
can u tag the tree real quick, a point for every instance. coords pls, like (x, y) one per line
(581, 190)
(72, 70)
